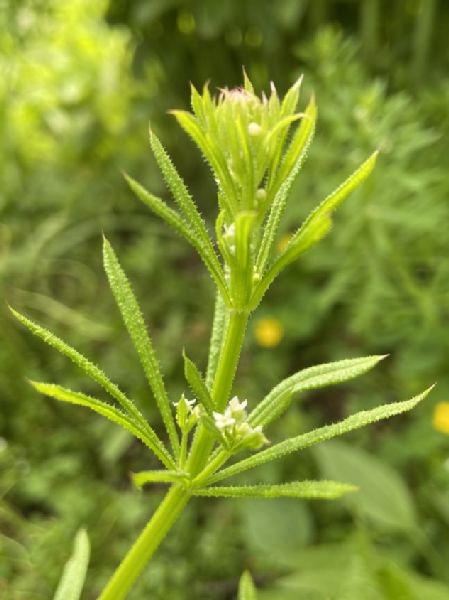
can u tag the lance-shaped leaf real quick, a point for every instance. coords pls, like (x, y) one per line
(210, 150)
(143, 433)
(181, 194)
(72, 580)
(197, 104)
(242, 268)
(305, 440)
(276, 402)
(315, 227)
(195, 381)
(143, 477)
(247, 590)
(135, 324)
(84, 364)
(216, 339)
(295, 489)
(173, 219)
(296, 153)
(298, 146)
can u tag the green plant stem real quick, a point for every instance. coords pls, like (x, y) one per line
(177, 497)
(224, 378)
(146, 544)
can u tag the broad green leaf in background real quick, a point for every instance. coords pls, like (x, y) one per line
(247, 590)
(75, 570)
(276, 530)
(383, 497)
(347, 571)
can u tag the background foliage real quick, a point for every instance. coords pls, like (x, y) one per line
(79, 83)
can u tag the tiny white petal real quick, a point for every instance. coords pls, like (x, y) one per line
(254, 129)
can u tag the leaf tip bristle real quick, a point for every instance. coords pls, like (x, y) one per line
(298, 81)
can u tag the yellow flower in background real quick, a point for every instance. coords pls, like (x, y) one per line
(268, 332)
(440, 419)
(283, 241)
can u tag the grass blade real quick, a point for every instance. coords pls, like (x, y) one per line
(72, 580)
(296, 489)
(145, 434)
(274, 404)
(305, 440)
(135, 324)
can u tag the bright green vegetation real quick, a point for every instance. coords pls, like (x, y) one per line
(376, 284)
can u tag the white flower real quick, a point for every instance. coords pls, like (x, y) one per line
(236, 406)
(229, 231)
(254, 129)
(189, 403)
(223, 421)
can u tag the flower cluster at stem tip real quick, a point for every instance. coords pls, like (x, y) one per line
(242, 136)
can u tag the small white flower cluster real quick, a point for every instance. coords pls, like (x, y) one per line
(187, 413)
(235, 429)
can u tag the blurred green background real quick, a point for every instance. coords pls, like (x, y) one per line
(79, 83)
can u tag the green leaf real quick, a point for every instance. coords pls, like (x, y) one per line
(143, 477)
(294, 489)
(315, 227)
(84, 364)
(305, 440)
(383, 499)
(173, 219)
(296, 153)
(135, 324)
(247, 591)
(242, 269)
(277, 401)
(276, 530)
(144, 433)
(216, 340)
(181, 194)
(212, 153)
(195, 381)
(72, 580)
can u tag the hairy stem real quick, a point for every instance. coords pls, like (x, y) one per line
(146, 544)
(174, 502)
(224, 378)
